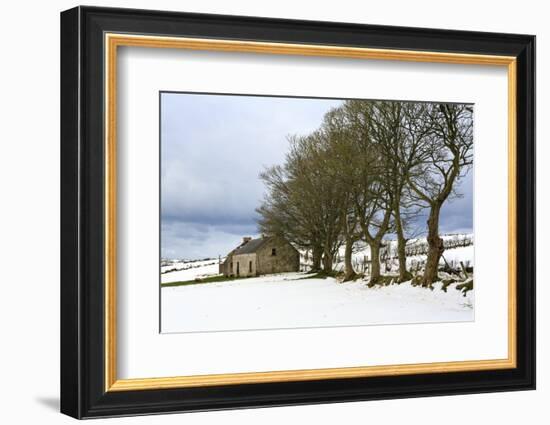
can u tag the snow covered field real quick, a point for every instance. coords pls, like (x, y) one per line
(189, 271)
(289, 301)
(286, 301)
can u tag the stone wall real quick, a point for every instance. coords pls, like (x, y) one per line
(286, 258)
(221, 268)
(246, 265)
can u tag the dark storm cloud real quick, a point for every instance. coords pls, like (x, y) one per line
(212, 151)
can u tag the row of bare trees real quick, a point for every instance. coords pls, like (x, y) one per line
(368, 170)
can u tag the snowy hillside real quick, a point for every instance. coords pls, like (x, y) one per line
(182, 270)
(460, 248)
(293, 300)
(288, 301)
(178, 271)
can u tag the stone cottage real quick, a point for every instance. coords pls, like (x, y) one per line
(264, 255)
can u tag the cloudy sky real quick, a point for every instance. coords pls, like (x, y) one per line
(213, 148)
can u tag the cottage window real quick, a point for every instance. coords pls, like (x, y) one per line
(250, 267)
(273, 251)
(238, 273)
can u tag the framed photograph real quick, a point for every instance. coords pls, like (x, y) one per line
(262, 212)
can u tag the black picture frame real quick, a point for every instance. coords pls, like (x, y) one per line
(83, 392)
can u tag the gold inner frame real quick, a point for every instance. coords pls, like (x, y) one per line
(113, 41)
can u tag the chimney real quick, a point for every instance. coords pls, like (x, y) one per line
(246, 239)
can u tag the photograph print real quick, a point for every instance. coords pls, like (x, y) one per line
(290, 212)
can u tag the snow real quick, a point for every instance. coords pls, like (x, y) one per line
(453, 256)
(287, 301)
(189, 270)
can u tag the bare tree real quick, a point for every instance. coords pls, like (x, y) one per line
(370, 194)
(439, 153)
(369, 170)
(281, 214)
(387, 128)
(390, 128)
(327, 195)
(343, 154)
(303, 200)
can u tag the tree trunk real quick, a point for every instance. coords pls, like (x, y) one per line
(349, 272)
(404, 275)
(316, 255)
(435, 247)
(374, 262)
(327, 261)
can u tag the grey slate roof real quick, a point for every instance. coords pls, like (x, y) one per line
(251, 246)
